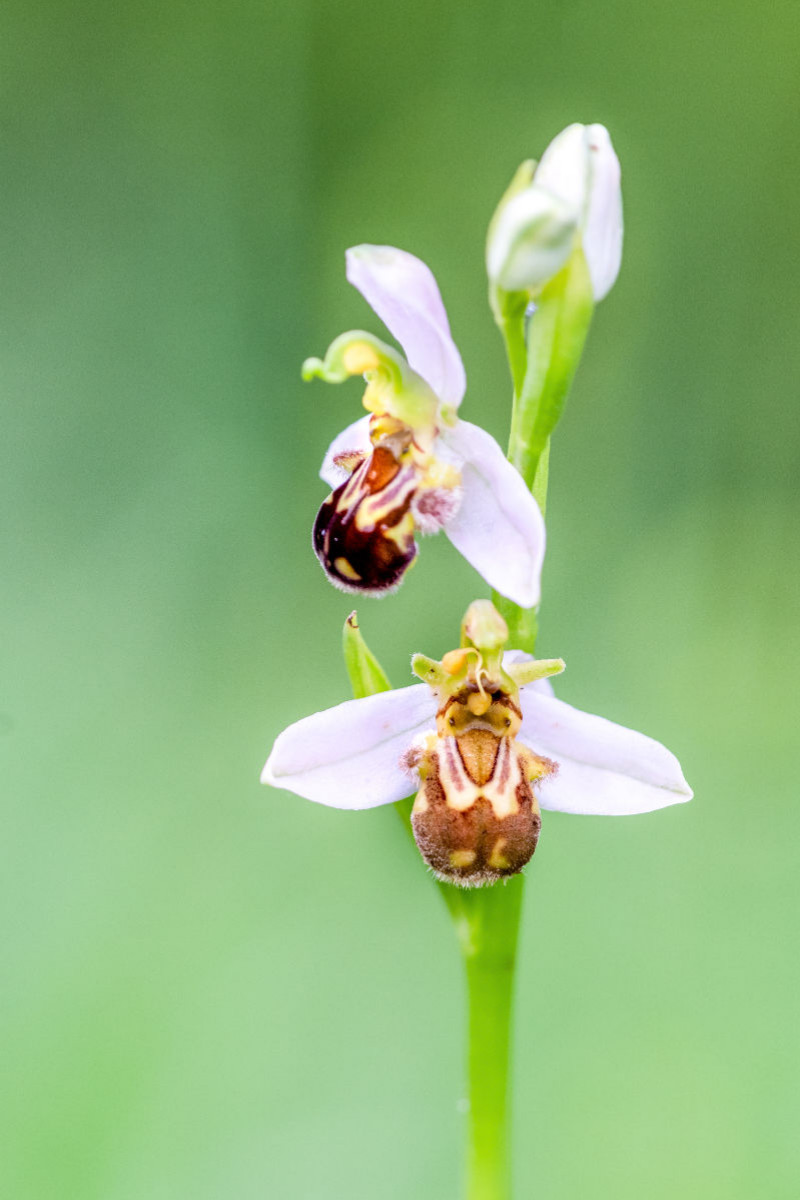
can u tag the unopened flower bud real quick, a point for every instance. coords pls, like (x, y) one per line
(531, 241)
(574, 191)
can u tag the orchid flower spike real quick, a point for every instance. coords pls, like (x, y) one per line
(412, 466)
(571, 198)
(484, 744)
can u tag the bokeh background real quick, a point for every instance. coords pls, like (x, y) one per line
(212, 990)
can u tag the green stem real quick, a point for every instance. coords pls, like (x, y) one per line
(512, 327)
(488, 929)
(555, 338)
(541, 479)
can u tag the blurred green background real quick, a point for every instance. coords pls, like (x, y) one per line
(211, 990)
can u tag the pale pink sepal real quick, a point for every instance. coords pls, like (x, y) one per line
(350, 756)
(403, 292)
(498, 528)
(581, 167)
(604, 768)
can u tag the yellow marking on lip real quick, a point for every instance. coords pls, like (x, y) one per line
(344, 568)
(498, 860)
(460, 792)
(401, 532)
(508, 768)
(462, 858)
(359, 357)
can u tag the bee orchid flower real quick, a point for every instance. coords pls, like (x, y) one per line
(485, 744)
(412, 466)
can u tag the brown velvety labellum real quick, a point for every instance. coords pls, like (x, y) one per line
(364, 531)
(473, 846)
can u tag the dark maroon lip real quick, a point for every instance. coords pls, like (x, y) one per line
(361, 552)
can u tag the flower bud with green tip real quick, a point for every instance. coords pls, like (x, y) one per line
(563, 276)
(572, 200)
(528, 247)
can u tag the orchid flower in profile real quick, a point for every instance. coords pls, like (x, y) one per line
(572, 197)
(485, 744)
(412, 466)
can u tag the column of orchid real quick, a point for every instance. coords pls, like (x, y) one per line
(481, 741)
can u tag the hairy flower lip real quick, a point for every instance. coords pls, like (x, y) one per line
(364, 532)
(352, 756)
(497, 525)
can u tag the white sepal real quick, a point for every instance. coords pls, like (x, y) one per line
(532, 239)
(581, 167)
(604, 768)
(354, 438)
(403, 292)
(602, 237)
(350, 756)
(564, 169)
(498, 528)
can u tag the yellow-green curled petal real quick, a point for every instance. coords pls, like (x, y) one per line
(393, 387)
(355, 353)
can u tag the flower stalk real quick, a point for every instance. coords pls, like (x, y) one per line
(488, 929)
(555, 339)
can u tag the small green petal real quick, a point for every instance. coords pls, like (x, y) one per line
(537, 668)
(355, 353)
(429, 670)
